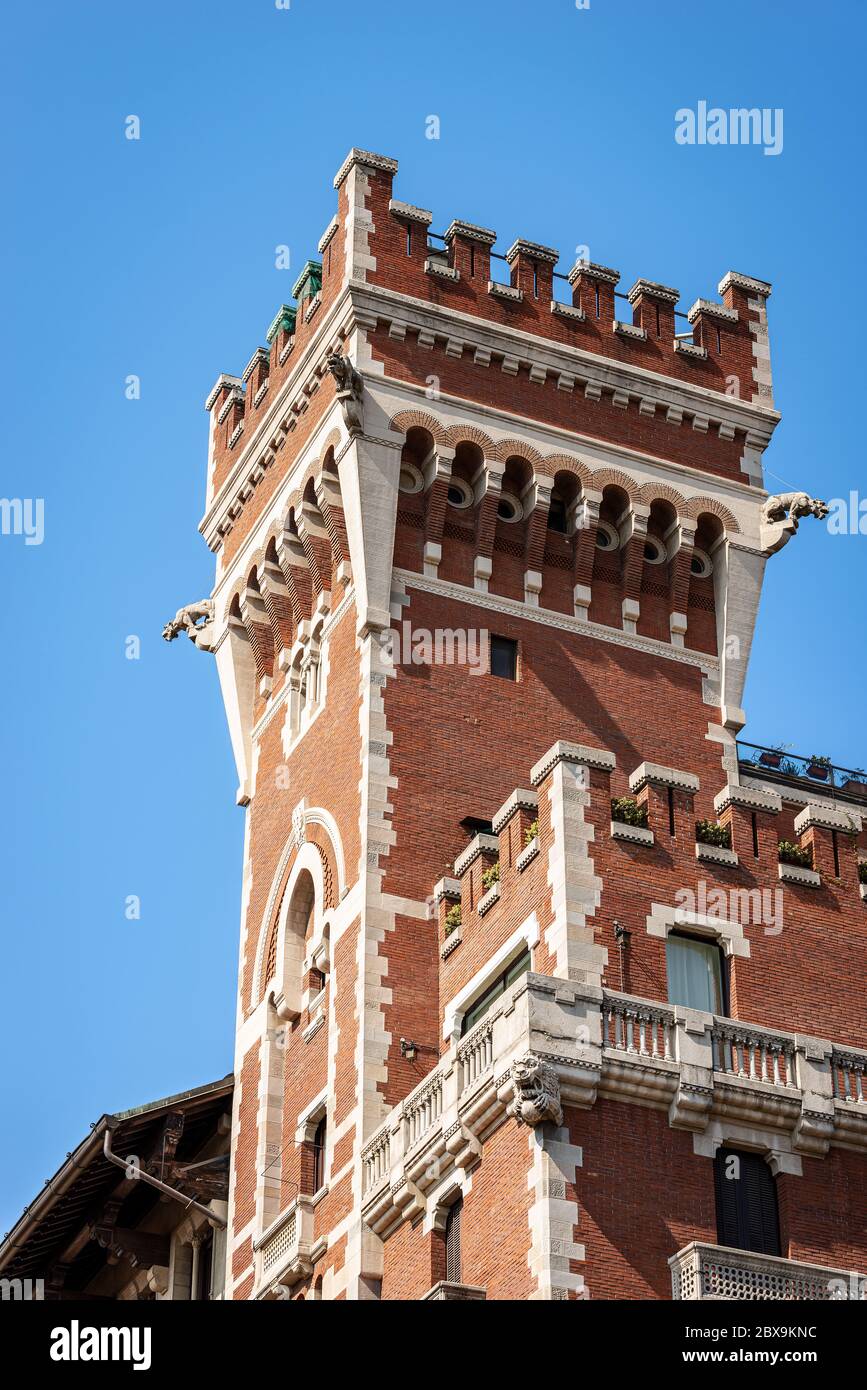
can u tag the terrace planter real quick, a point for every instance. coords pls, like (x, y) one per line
(769, 759)
(855, 786)
(804, 878)
(819, 771)
(633, 834)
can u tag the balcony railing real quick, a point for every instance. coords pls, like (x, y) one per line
(794, 769)
(803, 1093)
(283, 1252)
(716, 1272)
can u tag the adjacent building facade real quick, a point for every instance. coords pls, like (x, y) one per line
(532, 1004)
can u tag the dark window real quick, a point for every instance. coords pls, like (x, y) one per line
(453, 1242)
(512, 973)
(206, 1263)
(319, 1155)
(557, 515)
(697, 974)
(747, 1216)
(504, 658)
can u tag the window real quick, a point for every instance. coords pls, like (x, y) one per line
(459, 494)
(607, 537)
(318, 1147)
(478, 1009)
(453, 1242)
(747, 1215)
(509, 508)
(557, 515)
(697, 975)
(504, 658)
(654, 551)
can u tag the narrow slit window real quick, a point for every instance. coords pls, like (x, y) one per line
(504, 658)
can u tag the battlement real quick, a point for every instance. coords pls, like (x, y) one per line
(376, 241)
(592, 822)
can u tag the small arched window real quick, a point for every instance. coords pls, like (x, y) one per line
(453, 1242)
(318, 1146)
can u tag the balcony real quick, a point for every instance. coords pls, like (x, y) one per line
(285, 1252)
(716, 1273)
(453, 1293)
(801, 1093)
(782, 769)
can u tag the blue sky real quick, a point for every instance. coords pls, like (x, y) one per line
(156, 257)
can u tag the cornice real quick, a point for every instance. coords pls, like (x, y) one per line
(574, 441)
(392, 306)
(547, 617)
(336, 324)
(361, 305)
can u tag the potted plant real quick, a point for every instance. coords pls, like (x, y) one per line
(531, 834)
(627, 810)
(819, 766)
(453, 918)
(862, 870)
(773, 756)
(793, 854)
(856, 782)
(710, 832)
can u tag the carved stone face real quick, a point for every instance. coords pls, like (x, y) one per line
(526, 1072)
(339, 369)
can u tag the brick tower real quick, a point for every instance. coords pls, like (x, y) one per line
(528, 1005)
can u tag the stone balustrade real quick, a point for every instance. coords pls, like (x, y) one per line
(800, 1092)
(702, 1272)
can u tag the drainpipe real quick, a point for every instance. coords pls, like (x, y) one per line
(161, 1186)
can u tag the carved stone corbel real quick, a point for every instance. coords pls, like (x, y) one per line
(536, 1088)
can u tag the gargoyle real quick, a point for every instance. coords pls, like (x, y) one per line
(197, 621)
(537, 1092)
(780, 515)
(350, 391)
(793, 505)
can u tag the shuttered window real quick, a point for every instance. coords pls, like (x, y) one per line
(746, 1203)
(453, 1242)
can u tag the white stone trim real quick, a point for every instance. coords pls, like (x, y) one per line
(635, 834)
(716, 854)
(662, 776)
(663, 919)
(565, 622)
(480, 844)
(801, 877)
(520, 800)
(749, 799)
(578, 753)
(826, 817)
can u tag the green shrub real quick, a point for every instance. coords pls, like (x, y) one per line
(793, 854)
(491, 876)
(710, 832)
(862, 871)
(453, 919)
(627, 811)
(531, 833)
